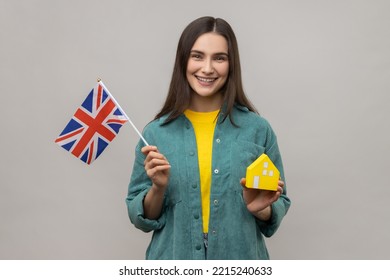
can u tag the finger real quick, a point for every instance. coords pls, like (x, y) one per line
(155, 163)
(147, 149)
(276, 197)
(277, 194)
(156, 170)
(154, 155)
(243, 182)
(281, 183)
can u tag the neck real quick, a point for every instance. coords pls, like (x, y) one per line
(206, 103)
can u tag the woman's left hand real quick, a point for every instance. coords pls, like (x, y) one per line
(259, 200)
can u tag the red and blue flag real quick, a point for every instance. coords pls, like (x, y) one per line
(93, 126)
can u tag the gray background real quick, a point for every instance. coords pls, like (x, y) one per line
(319, 71)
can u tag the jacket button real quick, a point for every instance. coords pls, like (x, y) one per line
(196, 216)
(216, 202)
(216, 171)
(198, 247)
(192, 153)
(218, 140)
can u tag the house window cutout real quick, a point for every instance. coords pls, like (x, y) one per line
(256, 180)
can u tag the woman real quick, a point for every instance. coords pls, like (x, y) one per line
(188, 186)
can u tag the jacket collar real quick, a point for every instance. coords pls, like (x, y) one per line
(239, 107)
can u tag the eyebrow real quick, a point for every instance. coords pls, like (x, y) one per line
(200, 52)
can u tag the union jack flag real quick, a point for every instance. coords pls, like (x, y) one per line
(94, 125)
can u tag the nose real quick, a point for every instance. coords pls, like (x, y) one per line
(208, 67)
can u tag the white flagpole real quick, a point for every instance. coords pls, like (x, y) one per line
(120, 108)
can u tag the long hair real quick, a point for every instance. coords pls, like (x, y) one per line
(179, 94)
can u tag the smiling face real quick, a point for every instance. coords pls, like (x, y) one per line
(207, 71)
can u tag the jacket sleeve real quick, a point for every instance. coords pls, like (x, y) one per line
(139, 186)
(281, 206)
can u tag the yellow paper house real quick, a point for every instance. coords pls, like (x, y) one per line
(262, 174)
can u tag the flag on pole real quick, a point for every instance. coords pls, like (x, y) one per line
(93, 126)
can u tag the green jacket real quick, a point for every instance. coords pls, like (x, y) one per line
(234, 233)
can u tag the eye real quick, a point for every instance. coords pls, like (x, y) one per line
(196, 56)
(221, 58)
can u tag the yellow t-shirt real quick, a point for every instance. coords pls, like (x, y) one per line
(204, 125)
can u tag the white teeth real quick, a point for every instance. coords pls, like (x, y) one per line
(206, 80)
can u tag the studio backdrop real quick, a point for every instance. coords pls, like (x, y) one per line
(318, 71)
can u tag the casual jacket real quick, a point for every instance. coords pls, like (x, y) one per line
(234, 233)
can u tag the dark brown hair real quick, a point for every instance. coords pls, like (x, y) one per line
(179, 94)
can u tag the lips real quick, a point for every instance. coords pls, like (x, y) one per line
(203, 80)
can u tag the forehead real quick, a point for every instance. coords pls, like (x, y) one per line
(211, 43)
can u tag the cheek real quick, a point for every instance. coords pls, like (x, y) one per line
(188, 75)
(223, 70)
(191, 67)
(189, 72)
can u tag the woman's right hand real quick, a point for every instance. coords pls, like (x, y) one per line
(157, 167)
